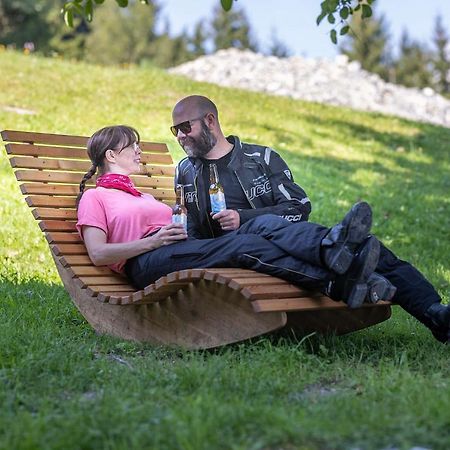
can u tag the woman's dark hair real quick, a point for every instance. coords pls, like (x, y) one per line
(116, 138)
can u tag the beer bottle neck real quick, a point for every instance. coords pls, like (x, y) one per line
(213, 174)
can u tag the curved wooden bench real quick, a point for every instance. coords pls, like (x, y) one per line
(198, 308)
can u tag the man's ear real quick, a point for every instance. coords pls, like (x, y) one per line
(211, 120)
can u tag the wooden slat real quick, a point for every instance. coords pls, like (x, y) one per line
(57, 237)
(51, 201)
(110, 288)
(68, 140)
(75, 178)
(44, 138)
(49, 189)
(104, 280)
(69, 249)
(279, 291)
(41, 151)
(66, 189)
(54, 213)
(57, 225)
(296, 304)
(78, 260)
(88, 271)
(72, 154)
(30, 162)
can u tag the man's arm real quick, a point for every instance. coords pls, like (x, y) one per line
(289, 199)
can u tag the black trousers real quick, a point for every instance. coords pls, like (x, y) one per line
(415, 294)
(267, 244)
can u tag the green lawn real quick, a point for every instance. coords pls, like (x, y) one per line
(64, 387)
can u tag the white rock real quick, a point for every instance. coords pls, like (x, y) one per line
(337, 82)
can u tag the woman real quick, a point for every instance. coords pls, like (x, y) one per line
(132, 233)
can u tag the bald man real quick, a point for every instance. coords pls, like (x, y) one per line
(257, 181)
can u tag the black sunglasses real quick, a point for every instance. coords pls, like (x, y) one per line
(184, 127)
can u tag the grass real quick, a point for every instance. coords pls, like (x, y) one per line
(64, 387)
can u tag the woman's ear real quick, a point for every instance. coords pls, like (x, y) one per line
(110, 156)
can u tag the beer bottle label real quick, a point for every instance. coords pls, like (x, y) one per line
(217, 202)
(180, 218)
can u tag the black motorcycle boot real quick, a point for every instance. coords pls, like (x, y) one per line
(352, 287)
(379, 288)
(340, 243)
(439, 315)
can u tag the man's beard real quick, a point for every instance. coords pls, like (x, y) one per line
(200, 146)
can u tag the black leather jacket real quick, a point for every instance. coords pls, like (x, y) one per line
(263, 176)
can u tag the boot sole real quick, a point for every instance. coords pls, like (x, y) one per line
(356, 231)
(360, 224)
(381, 290)
(370, 254)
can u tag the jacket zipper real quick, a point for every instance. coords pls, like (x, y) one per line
(198, 205)
(245, 192)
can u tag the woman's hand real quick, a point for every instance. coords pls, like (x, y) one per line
(169, 234)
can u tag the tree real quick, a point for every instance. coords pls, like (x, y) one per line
(368, 43)
(277, 47)
(196, 42)
(331, 9)
(123, 36)
(412, 68)
(441, 59)
(231, 29)
(25, 21)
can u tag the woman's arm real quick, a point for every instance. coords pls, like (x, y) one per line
(103, 253)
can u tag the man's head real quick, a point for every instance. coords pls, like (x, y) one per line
(196, 125)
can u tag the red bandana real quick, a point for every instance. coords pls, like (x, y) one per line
(116, 181)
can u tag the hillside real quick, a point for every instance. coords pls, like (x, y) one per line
(64, 387)
(336, 154)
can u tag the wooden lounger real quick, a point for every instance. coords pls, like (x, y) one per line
(199, 308)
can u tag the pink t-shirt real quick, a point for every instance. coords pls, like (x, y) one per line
(122, 216)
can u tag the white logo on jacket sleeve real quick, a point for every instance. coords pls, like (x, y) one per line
(287, 172)
(190, 197)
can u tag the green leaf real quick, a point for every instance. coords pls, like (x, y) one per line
(332, 5)
(344, 12)
(89, 10)
(331, 18)
(320, 17)
(366, 11)
(99, 2)
(344, 30)
(226, 4)
(357, 7)
(122, 3)
(333, 36)
(68, 17)
(324, 6)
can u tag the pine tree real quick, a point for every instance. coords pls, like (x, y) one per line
(277, 47)
(231, 29)
(441, 59)
(196, 43)
(367, 43)
(412, 68)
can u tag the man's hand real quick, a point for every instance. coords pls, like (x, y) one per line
(228, 219)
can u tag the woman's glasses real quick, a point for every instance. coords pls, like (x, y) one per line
(184, 127)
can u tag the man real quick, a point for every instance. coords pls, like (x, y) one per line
(256, 182)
